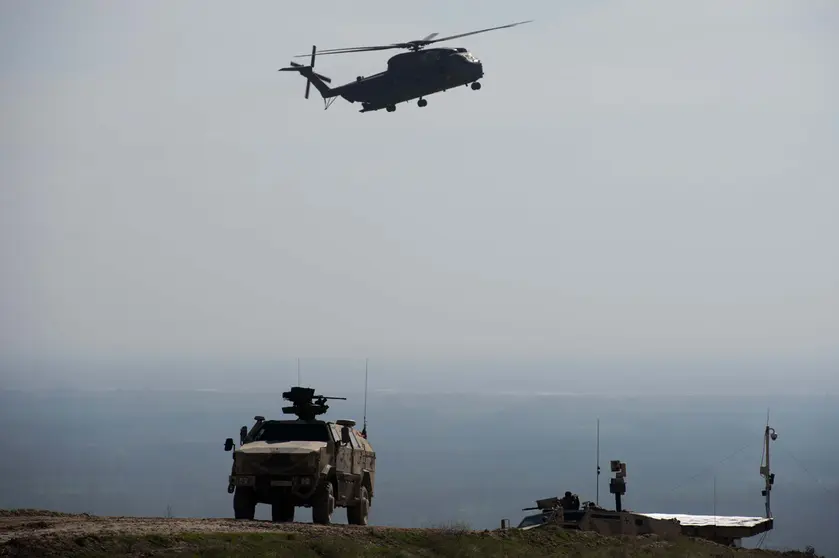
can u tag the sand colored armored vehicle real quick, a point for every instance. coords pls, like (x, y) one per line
(590, 517)
(567, 513)
(304, 462)
(727, 530)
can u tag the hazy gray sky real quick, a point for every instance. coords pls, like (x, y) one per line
(635, 179)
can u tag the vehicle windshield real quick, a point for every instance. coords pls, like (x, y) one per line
(292, 432)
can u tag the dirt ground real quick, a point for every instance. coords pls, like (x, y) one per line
(47, 534)
(37, 523)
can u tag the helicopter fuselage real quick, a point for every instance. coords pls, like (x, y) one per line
(413, 75)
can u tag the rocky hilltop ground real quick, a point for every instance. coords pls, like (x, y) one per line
(47, 534)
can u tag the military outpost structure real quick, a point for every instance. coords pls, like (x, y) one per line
(305, 462)
(567, 513)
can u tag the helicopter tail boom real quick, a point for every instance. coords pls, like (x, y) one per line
(319, 81)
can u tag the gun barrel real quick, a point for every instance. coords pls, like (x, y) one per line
(342, 398)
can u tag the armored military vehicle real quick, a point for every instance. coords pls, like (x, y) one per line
(304, 462)
(591, 517)
(566, 513)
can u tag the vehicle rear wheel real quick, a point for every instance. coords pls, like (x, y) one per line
(323, 504)
(357, 514)
(282, 511)
(244, 503)
(391, 108)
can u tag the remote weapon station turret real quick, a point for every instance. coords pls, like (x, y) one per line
(304, 462)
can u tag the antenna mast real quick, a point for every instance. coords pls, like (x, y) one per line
(298, 371)
(715, 505)
(364, 430)
(769, 434)
(597, 484)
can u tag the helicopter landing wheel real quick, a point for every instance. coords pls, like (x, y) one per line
(422, 103)
(476, 85)
(390, 108)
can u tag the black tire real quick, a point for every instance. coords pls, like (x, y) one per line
(282, 511)
(358, 514)
(323, 504)
(244, 503)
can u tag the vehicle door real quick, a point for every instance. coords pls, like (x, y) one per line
(343, 454)
(358, 454)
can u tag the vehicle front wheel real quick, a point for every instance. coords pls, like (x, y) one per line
(323, 504)
(282, 511)
(357, 514)
(244, 503)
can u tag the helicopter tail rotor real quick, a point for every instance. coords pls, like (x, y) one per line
(312, 65)
(310, 75)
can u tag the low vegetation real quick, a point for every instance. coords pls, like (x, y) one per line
(371, 542)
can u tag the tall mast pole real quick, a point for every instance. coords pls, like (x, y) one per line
(597, 484)
(769, 435)
(364, 430)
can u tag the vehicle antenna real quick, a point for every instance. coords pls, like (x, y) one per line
(715, 501)
(597, 483)
(298, 371)
(364, 430)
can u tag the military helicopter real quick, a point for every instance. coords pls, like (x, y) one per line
(409, 75)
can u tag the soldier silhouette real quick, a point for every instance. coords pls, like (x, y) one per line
(570, 501)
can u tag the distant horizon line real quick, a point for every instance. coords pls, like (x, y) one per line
(399, 391)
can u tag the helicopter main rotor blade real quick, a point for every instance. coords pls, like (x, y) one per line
(476, 32)
(409, 44)
(353, 49)
(416, 44)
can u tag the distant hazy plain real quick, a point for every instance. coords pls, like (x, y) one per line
(441, 457)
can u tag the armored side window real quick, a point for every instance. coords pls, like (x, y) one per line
(354, 441)
(336, 433)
